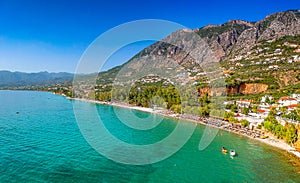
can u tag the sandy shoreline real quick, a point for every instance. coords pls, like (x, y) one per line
(272, 141)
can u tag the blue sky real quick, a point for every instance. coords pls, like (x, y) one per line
(52, 35)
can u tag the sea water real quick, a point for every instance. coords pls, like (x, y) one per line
(40, 141)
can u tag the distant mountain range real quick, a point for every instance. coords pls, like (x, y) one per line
(16, 79)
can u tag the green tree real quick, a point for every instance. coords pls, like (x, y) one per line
(233, 108)
(291, 134)
(176, 108)
(268, 101)
(204, 111)
(245, 122)
(227, 115)
(231, 119)
(254, 108)
(245, 110)
(259, 126)
(272, 112)
(283, 109)
(280, 131)
(204, 100)
(268, 125)
(228, 106)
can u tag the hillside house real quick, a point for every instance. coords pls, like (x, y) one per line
(243, 103)
(287, 101)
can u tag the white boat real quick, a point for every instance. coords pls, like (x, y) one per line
(232, 153)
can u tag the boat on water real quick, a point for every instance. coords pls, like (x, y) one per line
(224, 150)
(232, 153)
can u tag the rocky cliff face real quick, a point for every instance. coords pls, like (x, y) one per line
(235, 37)
(271, 28)
(244, 88)
(238, 37)
(222, 38)
(233, 90)
(252, 88)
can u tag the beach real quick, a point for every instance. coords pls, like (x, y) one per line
(215, 123)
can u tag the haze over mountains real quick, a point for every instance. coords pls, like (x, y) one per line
(16, 79)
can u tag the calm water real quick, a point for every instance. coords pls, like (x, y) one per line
(43, 144)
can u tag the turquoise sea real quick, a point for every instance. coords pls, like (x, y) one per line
(40, 142)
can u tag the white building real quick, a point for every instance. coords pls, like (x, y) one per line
(287, 101)
(243, 103)
(254, 121)
(296, 96)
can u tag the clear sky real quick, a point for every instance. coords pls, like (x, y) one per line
(51, 35)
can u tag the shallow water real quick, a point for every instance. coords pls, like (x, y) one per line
(44, 144)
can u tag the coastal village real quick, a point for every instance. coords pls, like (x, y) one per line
(261, 82)
(270, 118)
(138, 91)
(275, 122)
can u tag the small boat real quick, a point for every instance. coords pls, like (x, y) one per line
(264, 136)
(232, 153)
(224, 150)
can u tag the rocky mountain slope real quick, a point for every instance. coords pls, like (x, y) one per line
(237, 37)
(251, 57)
(266, 53)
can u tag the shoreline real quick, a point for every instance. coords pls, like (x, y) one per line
(271, 140)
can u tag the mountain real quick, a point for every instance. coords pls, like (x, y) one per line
(262, 56)
(237, 37)
(17, 79)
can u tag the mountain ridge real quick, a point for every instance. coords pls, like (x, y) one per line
(238, 43)
(17, 79)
